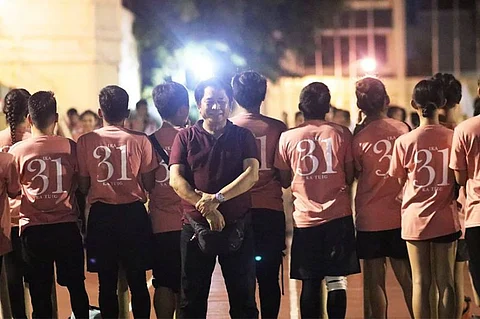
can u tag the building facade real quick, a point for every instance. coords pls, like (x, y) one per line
(73, 48)
(406, 39)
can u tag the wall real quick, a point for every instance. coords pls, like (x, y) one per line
(73, 48)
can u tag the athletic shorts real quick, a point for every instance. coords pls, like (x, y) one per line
(269, 231)
(462, 251)
(44, 245)
(167, 260)
(118, 234)
(325, 250)
(378, 244)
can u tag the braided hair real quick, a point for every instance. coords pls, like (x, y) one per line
(15, 109)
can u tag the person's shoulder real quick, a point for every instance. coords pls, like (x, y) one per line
(340, 129)
(18, 147)
(273, 122)
(469, 125)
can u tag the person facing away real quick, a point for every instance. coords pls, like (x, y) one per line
(15, 108)
(165, 207)
(377, 208)
(49, 230)
(464, 160)
(213, 165)
(268, 218)
(116, 168)
(452, 89)
(430, 222)
(320, 156)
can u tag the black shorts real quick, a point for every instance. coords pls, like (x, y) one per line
(118, 234)
(325, 250)
(378, 244)
(44, 245)
(167, 260)
(269, 231)
(462, 251)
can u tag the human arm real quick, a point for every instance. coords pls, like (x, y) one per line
(185, 191)
(461, 177)
(148, 180)
(243, 183)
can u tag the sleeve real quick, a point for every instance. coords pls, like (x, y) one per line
(282, 161)
(13, 178)
(458, 156)
(82, 157)
(149, 161)
(249, 149)
(178, 153)
(348, 146)
(397, 167)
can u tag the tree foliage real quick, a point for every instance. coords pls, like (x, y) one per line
(240, 34)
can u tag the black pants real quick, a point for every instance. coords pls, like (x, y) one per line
(108, 297)
(14, 267)
(269, 231)
(44, 246)
(472, 237)
(238, 269)
(120, 234)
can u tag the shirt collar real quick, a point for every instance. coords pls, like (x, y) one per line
(199, 127)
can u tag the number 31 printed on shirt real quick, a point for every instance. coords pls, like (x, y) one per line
(308, 147)
(32, 167)
(107, 153)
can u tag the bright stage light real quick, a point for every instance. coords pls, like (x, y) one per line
(368, 65)
(199, 62)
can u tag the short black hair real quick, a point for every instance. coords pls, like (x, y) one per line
(315, 101)
(249, 89)
(42, 107)
(140, 103)
(72, 111)
(169, 98)
(216, 83)
(113, 103)
(452, 88)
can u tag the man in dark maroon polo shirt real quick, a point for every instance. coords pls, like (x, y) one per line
(213, 165)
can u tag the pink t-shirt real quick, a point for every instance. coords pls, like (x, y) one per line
(165, 206)
(114, 158)
(47, 167)
(5, 143)
(376, 202)
(316, 153)
(267, 192)
(466, 157)
(421, 157)
(10, 184)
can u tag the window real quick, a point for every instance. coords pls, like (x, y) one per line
(327, 49)
(382, 18)
(361, 19)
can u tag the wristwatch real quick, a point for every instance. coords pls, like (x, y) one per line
(219, 196)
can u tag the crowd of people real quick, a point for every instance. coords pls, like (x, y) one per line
(214, 190)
